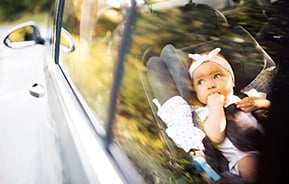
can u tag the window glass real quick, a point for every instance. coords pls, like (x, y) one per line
(90, 66)
(137, 129)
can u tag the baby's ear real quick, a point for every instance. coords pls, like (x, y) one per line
(233, 83)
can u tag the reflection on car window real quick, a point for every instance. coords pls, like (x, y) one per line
(91, 65)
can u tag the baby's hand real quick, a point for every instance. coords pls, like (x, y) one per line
(216, 99)
(249, 104)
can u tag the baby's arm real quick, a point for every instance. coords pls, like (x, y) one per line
(215, 124)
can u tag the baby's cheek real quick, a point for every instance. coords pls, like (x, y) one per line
(203, 98)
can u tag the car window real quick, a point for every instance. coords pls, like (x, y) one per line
(137, 129)
(97, 30)
(91, 65)
(191, 28)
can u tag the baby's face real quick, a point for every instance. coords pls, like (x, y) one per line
(209, 78)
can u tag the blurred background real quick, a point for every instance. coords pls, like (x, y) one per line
(19, 11)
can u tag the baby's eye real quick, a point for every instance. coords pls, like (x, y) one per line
(200, 82)
(216, 76)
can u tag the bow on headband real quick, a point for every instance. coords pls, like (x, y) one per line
(211, 56)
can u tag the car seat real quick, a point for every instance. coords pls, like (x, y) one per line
(253, 67)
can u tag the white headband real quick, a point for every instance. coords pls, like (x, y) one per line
(212, 56)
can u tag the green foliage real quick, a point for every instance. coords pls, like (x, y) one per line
(13, 9)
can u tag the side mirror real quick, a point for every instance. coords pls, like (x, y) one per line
(23, 35)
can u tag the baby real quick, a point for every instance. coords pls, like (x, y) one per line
(225, 118)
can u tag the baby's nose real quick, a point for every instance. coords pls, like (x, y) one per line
(211, 84)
